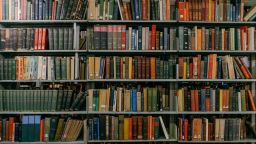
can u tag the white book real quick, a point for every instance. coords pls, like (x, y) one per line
(114, 101)
(239, 101)
(39, 67)
(163, 127)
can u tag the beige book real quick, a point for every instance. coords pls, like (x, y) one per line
(221, 129)
(217, 129)
(127, 95)
(91, 10)
(90, 99)
(68, 68)
(91, 66)
(138, 101)
(72, 68)
(130, 38)
(231, 71)
(97, 67)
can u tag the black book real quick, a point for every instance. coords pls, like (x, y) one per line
(102, 127)
(53, 127)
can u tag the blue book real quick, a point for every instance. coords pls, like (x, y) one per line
(140, 38)
(40, 10)
(202, 100)
(24, 129)
(134, 100)
(136, 5)
(6, 9)
(95, 128)
(98, 129)
(205, 67)
(13, 9)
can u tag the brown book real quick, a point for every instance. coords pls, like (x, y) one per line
(181, 66)
(121, 127)
(147, 67)
(127, 94)
(36, 39)
(251, 101)
(107, 73)
(139, 71)
(138, 101)
(59, 130)
(11, 129)
(134, 127)
(144, 9)
(44, 34)
(140, 123)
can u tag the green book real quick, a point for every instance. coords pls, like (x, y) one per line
(111, 9)
(145, 127)
(55, 39)
(101, 5)
(61, 39)
(37, 119)
(95, 104)
(49, 97)
(64, 99)
(47, 125)
(14, 100)
(59, 100)
(54, 100)
(1, 69)
(64, 68)
(150, 95)
(68, 101)
(53, 127)
(58, 68)
(36, 98)
(243, 100)
(10, 70)
(66, 37)
(154, 99)
(156, 127)
(8, 100)
(6, 72)
(4, 129)
(121, 127)
(1, 100)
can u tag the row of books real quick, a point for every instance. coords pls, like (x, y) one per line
(214, 67)
(215, 99)
(42, 100)
(115, 67)
(36, 38)
(43, 9)
(132, 10)
(209, 10)
(217, 129)
(118, 37)
(217, 38)
(37, 67)
(107, 127)
(120, 99)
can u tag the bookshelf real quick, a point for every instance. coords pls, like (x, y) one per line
(78, 25)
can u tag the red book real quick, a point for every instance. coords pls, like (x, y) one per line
(207, 103)
(152, 127)
(196, 100)
(153, 37)
(210, 66)
(149, 127)
(123, 37)
(11, 129)
(7, 131)
(119, 31)
(44, 39)
(198, 66)
(41, 130)
(53, 9)
(244, 69)
(191, 69)
(140, 123)
(207, 10)
(149, 40)
(110, 30)
(134, 127)
(181, 9)
(36, 39)
(40, 34)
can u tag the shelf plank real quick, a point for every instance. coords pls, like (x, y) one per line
(237, 141)
(218, 113)
(45, 112)
(59, 142)
(131, 141)
(133, 113)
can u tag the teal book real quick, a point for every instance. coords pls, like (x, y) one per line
(53, 127)
(31, 129)
(24, 128)
(37, 128)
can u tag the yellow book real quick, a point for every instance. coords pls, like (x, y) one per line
(114, 59)
(210, 10)
(220, 100)
(184, 69)
(91, 67)
(107, 99)
(180, 95)
(130, 67)
(126, 128)
(102, 100)
(145, 94)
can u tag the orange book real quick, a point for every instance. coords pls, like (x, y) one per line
(53, 9)
(251, 101)
(153, 37)
(149, 128)
(126, 10)
(185, 129)
(129, 11)
(36, 39)
(244, 69)
(153, 67)
(44, 39)
(187, 12)
(168, 10)
(41, 130)
(207, 104)
(241, 10)
(11, 129)
(130, 128)
(17, 61)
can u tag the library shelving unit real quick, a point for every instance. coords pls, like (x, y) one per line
(76, 24)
